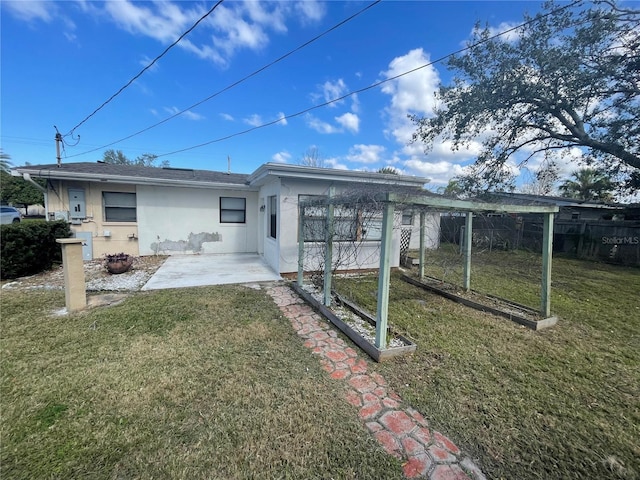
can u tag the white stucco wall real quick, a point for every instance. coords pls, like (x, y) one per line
(431, 231)
(270, 246)
(282, 253)
(187, 220)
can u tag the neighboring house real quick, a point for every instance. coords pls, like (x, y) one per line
(584, 228)
(146, 211)
(570, 208)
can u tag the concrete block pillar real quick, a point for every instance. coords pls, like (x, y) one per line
(74, 285)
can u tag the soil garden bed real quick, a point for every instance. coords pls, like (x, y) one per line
(515, 312)
(359, 326)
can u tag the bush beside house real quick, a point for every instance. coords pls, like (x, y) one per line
(30, 247)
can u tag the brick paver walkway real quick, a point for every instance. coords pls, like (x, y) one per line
(401, 430)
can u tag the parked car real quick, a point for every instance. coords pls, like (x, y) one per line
(9, 215)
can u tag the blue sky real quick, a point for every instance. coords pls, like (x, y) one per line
(62, 59)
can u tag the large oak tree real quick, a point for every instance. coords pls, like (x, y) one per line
(569, 77)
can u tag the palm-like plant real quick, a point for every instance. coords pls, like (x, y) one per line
(5, 164)
(588, 184)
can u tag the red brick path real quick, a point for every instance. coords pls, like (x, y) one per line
(402, 431)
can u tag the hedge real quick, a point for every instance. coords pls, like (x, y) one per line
(30, 247)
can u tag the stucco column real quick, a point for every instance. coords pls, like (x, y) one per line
(74, 286)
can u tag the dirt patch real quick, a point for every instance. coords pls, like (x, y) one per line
(96, 277)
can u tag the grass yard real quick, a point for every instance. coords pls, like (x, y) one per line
(192, 383)
(562, 403)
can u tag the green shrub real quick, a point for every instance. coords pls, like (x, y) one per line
(30, 247)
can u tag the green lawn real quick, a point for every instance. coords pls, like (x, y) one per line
(561, 403)
(192, 383)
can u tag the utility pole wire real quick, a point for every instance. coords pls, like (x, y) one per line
(374, 85)
(236, 83)
(146, 68)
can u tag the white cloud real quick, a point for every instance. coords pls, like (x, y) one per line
(320, 126)
(254, 120)
(281, 157)
(227, 117)
(144, 61)
(187, 114)
(355, 103)
(310, 10)
(510, 37)
(367, 154)
(335, 163)
(350, 121)
(235, 32)
(164, 22)
(258, 14)
(439, 172)
(31, 10)
(333, 90)
(413, 93)
(231, 27)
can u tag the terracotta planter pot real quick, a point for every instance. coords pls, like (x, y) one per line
(118, 265)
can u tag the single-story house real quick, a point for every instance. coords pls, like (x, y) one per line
(147, 211)
(570, 208)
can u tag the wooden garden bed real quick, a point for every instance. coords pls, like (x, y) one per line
(374, 352)
(515, 312)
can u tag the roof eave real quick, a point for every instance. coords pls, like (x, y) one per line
(129, 180)
(313, 173)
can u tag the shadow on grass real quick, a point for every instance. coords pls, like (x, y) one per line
(556, 404)
(192, 383)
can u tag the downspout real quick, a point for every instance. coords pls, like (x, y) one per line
(28, 178)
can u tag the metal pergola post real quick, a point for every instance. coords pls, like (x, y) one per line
(301, 211)
(422, 232)
(384, 276)
(547, 255)
(468, 236)
(328, 259)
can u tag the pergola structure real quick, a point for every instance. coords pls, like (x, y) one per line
(422, 202)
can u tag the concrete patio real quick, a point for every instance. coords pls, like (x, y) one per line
(180, 271)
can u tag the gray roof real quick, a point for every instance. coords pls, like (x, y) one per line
(97, 171)
(516, 198)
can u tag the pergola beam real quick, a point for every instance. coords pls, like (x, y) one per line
(467, 205)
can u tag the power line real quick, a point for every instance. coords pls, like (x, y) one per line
(146, 68)
(374, 85)
(236, 83)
